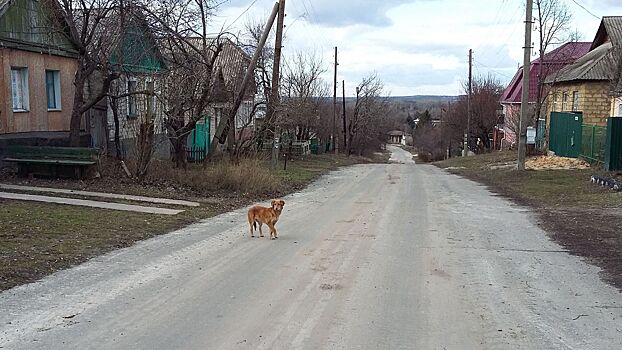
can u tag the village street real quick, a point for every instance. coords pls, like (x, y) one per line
(390, 256)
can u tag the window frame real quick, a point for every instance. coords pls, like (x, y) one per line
(57, 90)
(575, 101)
(555, 97)
(24, 90)
(565, 101)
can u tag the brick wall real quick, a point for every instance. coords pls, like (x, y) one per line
(593, 100)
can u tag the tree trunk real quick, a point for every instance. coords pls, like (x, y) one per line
(179, 148)
(117, 138)
(76, 113)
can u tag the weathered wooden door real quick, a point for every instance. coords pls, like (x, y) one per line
(99, 128)
(566, 134)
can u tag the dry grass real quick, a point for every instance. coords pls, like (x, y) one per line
(249, 176)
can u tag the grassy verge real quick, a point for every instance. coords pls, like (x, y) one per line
(37, 239)
(582, 217)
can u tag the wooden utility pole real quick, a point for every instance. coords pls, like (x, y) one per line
(334, 140)
(468, 128)
(345, 123)
(276, 78)
(524, 105)
(222, 130)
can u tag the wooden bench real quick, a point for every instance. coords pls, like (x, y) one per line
(52, 161)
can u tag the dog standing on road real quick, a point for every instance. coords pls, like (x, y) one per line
(269, 216)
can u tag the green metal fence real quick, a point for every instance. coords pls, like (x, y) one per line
(593, 143)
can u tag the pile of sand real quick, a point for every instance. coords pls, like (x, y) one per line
(554, 162)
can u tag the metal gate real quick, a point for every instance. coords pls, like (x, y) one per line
(613, 156)
(566, 134)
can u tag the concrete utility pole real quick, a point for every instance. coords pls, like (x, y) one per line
(524, 105)
(334, 140)
(222, 130)
(345, 123)
(468, 128)
(276, 78)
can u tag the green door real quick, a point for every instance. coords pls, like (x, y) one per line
(566, 134)
(198, 140)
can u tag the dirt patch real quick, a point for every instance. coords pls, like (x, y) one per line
(593, 234)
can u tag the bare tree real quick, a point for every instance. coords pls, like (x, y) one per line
(95, 32)
(194, 81)
(486, 92)
(553, 20)
(303, 92)
(368, 124)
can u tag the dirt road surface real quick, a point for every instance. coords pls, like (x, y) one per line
(393, 256)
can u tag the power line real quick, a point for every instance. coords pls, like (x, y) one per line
(241, 14)
(492, 69)
(585, 9)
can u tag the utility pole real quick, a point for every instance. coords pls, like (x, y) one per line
(276, 78)
(468, 128)
(524, 104)
(222, 130)
(334, 140)
(345, 123)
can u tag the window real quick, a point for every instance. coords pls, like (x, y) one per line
(131, 98)
(555, 98)
(151, 98)
(575, 101)
(564, 102)
(19, 89)
(52, 84)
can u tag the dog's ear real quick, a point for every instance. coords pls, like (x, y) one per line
(282, 202)
(273, 203)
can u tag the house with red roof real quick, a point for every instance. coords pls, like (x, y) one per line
(549, 66)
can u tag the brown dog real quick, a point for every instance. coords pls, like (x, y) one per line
(269, 216)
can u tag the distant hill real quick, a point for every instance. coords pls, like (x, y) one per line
(424, 98)
(415, 98)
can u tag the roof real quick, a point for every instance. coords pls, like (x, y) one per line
(4, 4)
(230, 65)
(396, 133)
(29, 25)
(596, 65)
(599, 63)
(553, 62)
(610, 29)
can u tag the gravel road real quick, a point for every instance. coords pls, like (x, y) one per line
(392, 256)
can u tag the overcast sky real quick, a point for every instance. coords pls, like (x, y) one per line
(415, 46)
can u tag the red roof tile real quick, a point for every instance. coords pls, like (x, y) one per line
(553, 62)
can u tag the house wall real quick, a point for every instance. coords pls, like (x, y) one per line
(616, 107)
(38, 118)
(594, 101)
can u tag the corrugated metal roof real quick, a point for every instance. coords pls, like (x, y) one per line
(610, 29)
(596, 65)
(553, 62)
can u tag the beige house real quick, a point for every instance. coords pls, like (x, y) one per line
(585, 86)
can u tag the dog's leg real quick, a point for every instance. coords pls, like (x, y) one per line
(260, 231)
(272, 231)
(251, 229)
